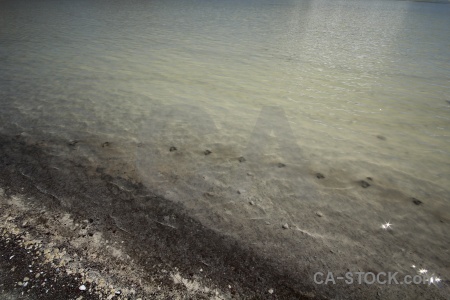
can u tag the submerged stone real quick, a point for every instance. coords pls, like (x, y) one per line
(364, 184)
(416, 201)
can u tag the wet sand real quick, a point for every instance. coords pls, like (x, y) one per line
(81, 223)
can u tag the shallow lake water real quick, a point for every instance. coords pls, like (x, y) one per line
(330, 116)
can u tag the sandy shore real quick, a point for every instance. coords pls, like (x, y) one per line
(78, 236)
(49, 255)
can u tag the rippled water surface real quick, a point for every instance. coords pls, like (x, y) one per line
(282, 93)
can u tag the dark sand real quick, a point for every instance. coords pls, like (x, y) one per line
(84, 229)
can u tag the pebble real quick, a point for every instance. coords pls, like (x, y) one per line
(26, 279)
(320, 176)
(286, 226)
(364, 184)
(416, 201)
(173, 149)
(73, 143)
(252, 203)
(271, 291)
(82, 288)
(319, 214)
(207, 152)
